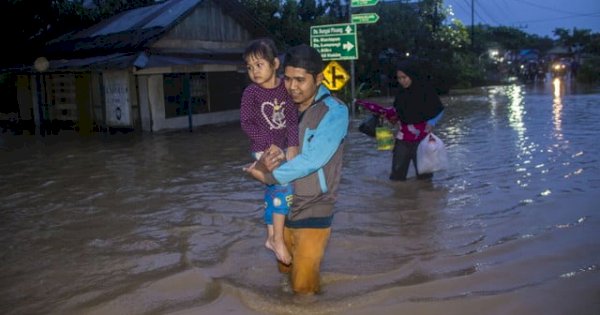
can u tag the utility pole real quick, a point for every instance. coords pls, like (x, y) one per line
(472, 24)
(352, 72)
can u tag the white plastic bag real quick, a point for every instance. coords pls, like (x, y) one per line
(431, 155)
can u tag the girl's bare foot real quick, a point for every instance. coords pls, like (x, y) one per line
(269, 243)
(278, 246)
(280, 251)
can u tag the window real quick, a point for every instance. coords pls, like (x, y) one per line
(181, 89)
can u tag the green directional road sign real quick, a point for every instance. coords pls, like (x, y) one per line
(335, 41)
(363, 3)
(365, 18)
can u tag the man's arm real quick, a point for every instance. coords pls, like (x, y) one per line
(261, 174)
(319, 146)
(262, 169)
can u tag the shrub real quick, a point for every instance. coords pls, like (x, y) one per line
(589, 72)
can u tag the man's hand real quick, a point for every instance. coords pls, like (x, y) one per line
(271, 158)
(261, 169)
(260, 173)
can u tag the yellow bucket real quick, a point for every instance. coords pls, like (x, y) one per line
(385, 138)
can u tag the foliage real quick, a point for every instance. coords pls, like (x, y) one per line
(467, 70)
(593, 46)
(102, 9)
(581, 42)
(289, 21)
(42, 21)
(590, 70)
(575, 40)
(404, 28)
(28, 24)
(507, 38)
(363, 90)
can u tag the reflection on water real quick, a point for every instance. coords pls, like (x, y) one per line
(557, 107)
(515, 106)
(168, 223)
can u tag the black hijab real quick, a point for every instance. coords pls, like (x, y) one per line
(419, 102)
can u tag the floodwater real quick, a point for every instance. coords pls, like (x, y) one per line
(168, 223)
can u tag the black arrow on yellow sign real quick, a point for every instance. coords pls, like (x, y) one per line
(335, 77)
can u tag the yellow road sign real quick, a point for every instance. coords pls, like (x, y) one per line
(335, 76)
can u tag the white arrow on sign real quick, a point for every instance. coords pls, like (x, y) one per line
(348, 29)
(348, 46)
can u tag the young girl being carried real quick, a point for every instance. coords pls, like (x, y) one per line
(269, 116)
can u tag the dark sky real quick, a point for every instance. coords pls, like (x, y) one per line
(539, 17)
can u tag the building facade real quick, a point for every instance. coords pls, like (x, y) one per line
(172, 65)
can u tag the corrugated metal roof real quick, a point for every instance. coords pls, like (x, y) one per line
(124, 41)
(128, 31)
(159, 15)
(137, 29)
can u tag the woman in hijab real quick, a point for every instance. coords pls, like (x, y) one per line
(418, 109)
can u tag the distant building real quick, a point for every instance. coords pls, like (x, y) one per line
(171, 65)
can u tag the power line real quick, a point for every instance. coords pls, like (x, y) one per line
(486, 13)
(561, 17)
(476, 12)
(466, 11)
(545, 7)
(502, 8)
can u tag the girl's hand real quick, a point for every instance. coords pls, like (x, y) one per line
(248, 167)
(291, 153)
(428, 128)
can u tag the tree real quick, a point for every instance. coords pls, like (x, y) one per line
(38, 22)
(42, 21)
(575, 41)
(106, 8)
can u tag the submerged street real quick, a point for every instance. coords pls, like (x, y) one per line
(167, 223)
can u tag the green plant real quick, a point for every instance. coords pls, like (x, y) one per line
(362, 91)
(590, 70)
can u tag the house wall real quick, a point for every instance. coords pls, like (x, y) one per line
(97, 99)
(134, 99)
(83, 101)
(140, 103)
(206, 28)
(117, 99)
(144, 100)
(207, 40)
(62, 97)
(38, 98)
(152, 95)
(156, 102)
(24, 96)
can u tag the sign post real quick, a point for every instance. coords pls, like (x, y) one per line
(365, 18)
(335, 41)
(338, 42)
(363, 3)
(360, 18)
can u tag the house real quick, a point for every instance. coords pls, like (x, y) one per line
(171, 65)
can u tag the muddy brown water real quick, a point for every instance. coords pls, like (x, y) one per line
(169, 224)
